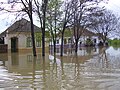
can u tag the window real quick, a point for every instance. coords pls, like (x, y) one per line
(29, 42)
(65, 41)
(29, 58)
(69, 40)
(57, 41)
(38, 42)
(95, 41)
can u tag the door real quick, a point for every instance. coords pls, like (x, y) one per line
(14, 44)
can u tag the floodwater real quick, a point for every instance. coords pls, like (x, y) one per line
(90, 69)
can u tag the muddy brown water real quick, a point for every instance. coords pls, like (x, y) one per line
(90, 69)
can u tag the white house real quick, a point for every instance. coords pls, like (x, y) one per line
(18, 36)
(86, 35)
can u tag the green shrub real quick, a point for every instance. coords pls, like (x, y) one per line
(114, 42)
(89, 42)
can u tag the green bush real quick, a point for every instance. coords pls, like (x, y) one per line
(89, 42)
(114, 42)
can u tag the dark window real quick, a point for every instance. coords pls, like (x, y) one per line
(69, 40)
(57, 41)
(29, 42)
(38, 42)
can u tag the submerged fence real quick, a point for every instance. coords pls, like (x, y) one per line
(3, 48)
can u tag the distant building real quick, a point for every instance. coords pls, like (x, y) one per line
(86, 35)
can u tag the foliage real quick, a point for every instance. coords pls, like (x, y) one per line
(68, 33)
(47, 34)
(53, 19)
(53, 16)
(38, 36)
(89, 42)
(114, 42)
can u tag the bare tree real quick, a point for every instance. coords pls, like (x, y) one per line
(106, 25)
(82, 10)
(116, 33)
(27, 7)
(40, 9)
(66, 16)
(53, 17)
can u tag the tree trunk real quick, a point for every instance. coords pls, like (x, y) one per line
(54, 50)
(62, 39)
(43, 42)
(43, 36)
(76, 46)
(54, 43)
(43, 29)
(104, 42)
(32, 29)
(33, 38)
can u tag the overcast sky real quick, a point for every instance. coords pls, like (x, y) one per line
(113, 5)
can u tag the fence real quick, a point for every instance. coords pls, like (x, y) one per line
(3, 48)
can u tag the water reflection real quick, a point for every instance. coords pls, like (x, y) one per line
(91, 69)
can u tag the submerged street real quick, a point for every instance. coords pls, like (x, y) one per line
(92, 69)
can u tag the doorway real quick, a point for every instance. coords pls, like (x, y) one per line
(14, 44)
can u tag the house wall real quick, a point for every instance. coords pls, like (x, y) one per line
(97, 39)
(82, 40)
(22, 40)
(58, 41)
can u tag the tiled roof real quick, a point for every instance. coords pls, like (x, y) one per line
(83, 32)
(89, 33)
(22, 25)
